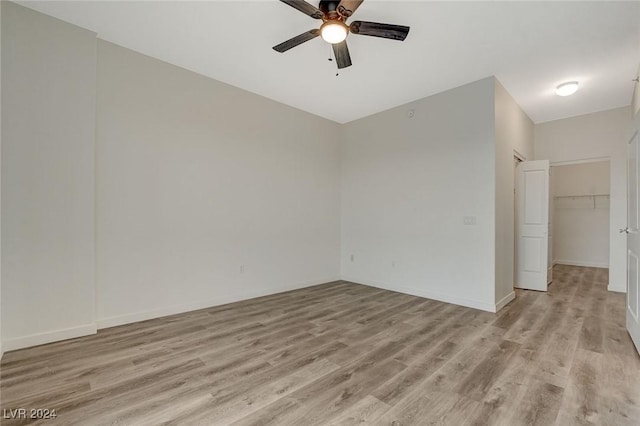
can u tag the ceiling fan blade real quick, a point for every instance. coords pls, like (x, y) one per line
(376, 29)
(305, 8)
(347, 7)
(341, 52)
(293, 42)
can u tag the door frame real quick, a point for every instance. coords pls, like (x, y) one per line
(520, 158)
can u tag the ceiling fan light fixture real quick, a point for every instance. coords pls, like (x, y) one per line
(334, 32)
(567, 89)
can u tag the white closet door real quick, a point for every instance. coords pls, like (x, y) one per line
(633, 243)
(532, 190)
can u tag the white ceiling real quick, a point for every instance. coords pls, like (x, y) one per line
(529, 46)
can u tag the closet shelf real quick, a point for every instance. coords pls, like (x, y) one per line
(581, 196)
(595, 201)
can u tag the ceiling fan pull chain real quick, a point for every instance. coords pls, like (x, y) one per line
(330, 58)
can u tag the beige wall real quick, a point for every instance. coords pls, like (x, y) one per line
(514, 132)
(48, 104)
(407, 184)
(1, 349)
(636, 97)
(601, 135)
(206, 193)
(581, 179)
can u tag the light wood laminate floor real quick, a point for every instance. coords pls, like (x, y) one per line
(344, 354)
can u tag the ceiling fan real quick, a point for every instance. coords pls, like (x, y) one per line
(334, 29)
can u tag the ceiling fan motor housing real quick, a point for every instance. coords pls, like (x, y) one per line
(328, 6)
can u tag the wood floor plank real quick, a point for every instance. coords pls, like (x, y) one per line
(554, 359)
(505, 396)
(620, 388)
(581, 399)
(487, 372)
(328, 397)
(540, 405)
(343, 354)
(534, 313)
(440, 408)
(364, 411)
(214, 411)
(591, 336)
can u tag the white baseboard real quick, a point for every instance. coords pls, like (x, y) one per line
(505, 301)
(203, 304)
(581, 263)
(48, 337)
(617, 289)
(427, 294)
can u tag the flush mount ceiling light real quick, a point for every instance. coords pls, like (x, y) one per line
(333, 32)
(567, 89)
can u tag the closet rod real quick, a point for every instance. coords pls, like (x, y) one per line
(581, 196)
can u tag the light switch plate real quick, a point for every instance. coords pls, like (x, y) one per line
(469, 220)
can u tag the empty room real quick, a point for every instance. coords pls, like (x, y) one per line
(319, 213)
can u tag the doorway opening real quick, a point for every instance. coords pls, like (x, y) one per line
(580, 211)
